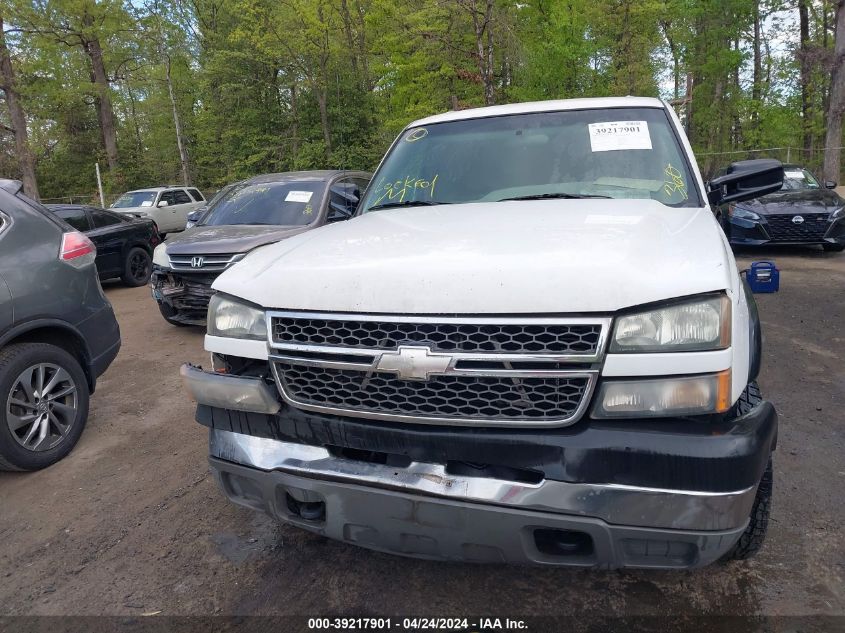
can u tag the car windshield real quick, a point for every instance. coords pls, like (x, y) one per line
(292, 203)
(135, 199)
(612, 153)
(797, 179)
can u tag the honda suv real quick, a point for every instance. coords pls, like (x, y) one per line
(57, 332)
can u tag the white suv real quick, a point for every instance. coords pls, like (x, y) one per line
(531, 344)
(168, 207)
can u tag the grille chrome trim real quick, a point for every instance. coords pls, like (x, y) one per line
(342, 358)
(597, 355)
(210, 263)
(586, 397)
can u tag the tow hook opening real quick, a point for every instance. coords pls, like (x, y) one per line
(563, 542)
(308, 510)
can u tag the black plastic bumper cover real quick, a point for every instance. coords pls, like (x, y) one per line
(681, 454)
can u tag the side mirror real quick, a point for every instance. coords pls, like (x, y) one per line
(162, 203)
(830, 184)
(337, 213)
(746, 179)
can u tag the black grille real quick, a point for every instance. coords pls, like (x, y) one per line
(443, 337)
(783, 229)
(448, 396)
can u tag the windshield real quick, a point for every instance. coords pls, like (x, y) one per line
(615, 153)
(135, 199)
(797, 179)
(276, 203)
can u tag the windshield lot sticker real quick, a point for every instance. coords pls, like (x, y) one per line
(674, 183)
(298, 196)
(615, 135)
(146, 203)
(794, 175)
(400, 190)
(308, 210)
(416, 135)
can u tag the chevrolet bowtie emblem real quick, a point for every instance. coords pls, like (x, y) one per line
(414, 363)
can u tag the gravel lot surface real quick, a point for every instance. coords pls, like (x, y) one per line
(131, 523)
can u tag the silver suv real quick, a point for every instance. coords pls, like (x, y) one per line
(167, 206)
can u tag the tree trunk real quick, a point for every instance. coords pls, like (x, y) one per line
(757, 85)
(18, 119)
(836, 106)
(489, 95)
(294, 111)
(177, 122)
(804, 63)
(350, 37)
(103, 100)
(324, 118)
(139, 144)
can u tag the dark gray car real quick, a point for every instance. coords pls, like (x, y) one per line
(251, 213)
(57, 332)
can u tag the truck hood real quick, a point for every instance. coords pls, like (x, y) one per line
(529, 257)
(214, 240)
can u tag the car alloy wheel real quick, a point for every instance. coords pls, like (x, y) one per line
(139, 266)
(42, 406)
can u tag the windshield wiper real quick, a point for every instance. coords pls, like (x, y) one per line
(550, 196)
(406, 203)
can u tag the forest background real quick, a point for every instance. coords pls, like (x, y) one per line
(205, 92)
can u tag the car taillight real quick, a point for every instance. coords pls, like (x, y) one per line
(77, 249)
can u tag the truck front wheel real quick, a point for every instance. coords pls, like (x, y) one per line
(752, 538)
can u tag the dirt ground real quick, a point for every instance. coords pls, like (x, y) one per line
(131, 523)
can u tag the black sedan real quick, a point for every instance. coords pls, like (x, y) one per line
(124, 244)
(802, 212)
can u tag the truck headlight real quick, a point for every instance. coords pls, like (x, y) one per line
(160, 256)
(233, 319)
(839, 213)
(688, 395)
(692, 326)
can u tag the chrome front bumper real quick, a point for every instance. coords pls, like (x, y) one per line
(423, 511)
(229, 392)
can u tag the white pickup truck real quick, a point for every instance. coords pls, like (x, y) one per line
(531, 344)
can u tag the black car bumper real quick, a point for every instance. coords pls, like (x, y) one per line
(782, 230)
(182, 297)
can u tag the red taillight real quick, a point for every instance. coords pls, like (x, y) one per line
(75, 244)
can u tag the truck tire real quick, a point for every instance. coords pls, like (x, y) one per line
(749, 399)
(42, 390)
(752, 538)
